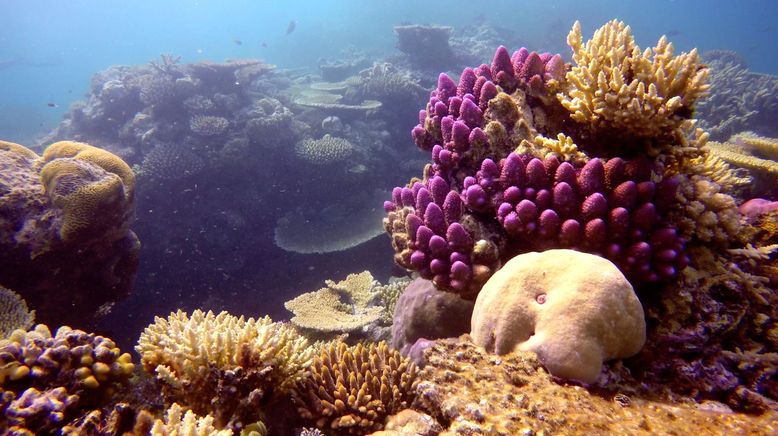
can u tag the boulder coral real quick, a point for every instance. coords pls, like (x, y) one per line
(65, 239)
(575, 310)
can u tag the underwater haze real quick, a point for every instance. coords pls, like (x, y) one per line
(304, 217)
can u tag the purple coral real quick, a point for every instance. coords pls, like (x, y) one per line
(611, 208)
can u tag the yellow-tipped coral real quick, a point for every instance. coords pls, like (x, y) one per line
(617, 90)
(222, 364)
(351, 390)
(178, 422)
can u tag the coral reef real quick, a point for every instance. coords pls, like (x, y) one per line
(351, 390)
(14, 313)
(425, 46)
(425, 312)
(573, 309)
(177, 422)
(220, 364)
(65, 240)
(470, 391)
(739, 100)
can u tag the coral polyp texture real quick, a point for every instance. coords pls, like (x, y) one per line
(65, 239)
(509, 175)
(14, 313)
(221, 364)
(351, 390)
(49, 379)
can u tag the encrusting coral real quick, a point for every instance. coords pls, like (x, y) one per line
(351, 390)
(14, 313)
(573, 309)
(222, 364)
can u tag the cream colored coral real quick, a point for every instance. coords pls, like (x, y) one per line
(706, 214)
(14, 313)
(324, 151)
(574, 309)
(617, 88)
(180, 349)
(178, 423)
(339, 307)
(749, 151)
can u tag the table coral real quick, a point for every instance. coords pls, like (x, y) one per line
(222, 364)
(575, 310)
(351, 390)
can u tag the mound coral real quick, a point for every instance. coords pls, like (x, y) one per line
(573, 309)
(324, 151)
(65, 238)
(222, 364)
(351, 390)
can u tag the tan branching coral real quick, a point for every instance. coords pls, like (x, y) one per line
(14, 313)
(619, 90)
(176, 422)
(351, 390)
(339, 307)
(747, 150)
(222, 364)
(705, 213)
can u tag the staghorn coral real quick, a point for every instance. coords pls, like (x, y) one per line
(388, 295)
(14, 313)
(339, 307)
(324, 151)
(617, 90)
(351, 390)
(222, 364)
(738, 99)
(759, 155)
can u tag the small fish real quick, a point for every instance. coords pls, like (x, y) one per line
(264, 44)
(291, 26)
(237, 41)
(52, 105)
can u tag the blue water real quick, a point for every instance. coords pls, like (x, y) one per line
(54, 47)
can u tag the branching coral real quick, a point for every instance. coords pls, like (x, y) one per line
(223, 364)
(618, 91)
(351, 390)
(750, 151)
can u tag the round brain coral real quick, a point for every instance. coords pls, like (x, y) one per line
(93, 188)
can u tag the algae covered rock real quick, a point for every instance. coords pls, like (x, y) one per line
(575, 310)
